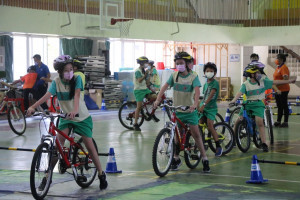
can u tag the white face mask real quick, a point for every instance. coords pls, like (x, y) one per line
(209, 74)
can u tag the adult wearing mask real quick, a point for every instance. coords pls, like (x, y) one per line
(282, 73)
(43, 78)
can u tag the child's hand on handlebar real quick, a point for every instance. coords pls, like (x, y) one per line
(155, 104)
(71, 115)
(30, 111)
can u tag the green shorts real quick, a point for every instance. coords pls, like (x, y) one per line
(257, 108)
(209, 113)
(188, 118)
(141, 94)
(84, 127)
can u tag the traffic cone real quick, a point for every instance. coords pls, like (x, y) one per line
(103, 107)
(227, 115)
(125, 101)
(298, 101)
(111, 166)
(256, 175)
(290, 108)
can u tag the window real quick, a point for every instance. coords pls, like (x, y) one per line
(20, 63)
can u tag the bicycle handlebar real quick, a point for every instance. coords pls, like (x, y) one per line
(183, 108)
(8, 85)
(46, 114)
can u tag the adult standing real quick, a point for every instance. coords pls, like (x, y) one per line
(43, 78)
(282, 73)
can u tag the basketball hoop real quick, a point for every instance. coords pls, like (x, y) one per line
(123, 24)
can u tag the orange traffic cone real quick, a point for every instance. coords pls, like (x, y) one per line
(256, 175)
(111, 166)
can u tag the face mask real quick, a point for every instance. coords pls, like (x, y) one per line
(68, 75)
(277, 62)
(209, 74)
(180, 68)
(258, 77)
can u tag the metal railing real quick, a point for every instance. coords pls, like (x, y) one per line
(245, 13)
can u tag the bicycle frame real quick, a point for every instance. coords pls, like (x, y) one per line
(11, 101)
(251, 123)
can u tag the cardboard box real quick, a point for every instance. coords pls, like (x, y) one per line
(96, 95)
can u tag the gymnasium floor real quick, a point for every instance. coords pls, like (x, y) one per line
(227, 179)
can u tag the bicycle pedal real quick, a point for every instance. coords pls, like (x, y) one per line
(81, 178)
(195, 157)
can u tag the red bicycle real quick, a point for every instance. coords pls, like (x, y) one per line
(127, 113)
(73, 155)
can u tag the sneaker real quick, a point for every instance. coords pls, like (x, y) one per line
(206, 168)
(103, 183)
(264, 147)
(176, 164)
(219, 151)
(155, 118)
(43, 184)
(136, 127)
(277, 124)
(284, 125)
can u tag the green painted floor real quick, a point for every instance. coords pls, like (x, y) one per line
(138, 180)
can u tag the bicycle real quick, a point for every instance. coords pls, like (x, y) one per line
(225, 135)
(165, 145)
(74, 156)
(245, 129)
(13, 107)
(127, 113)
(268, 117)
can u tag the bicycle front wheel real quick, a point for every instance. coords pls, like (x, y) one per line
(163, 151)
(41, 171)
(234, 115)
(192, 154)
(242, 136)
(16, 120)
(219, 118)
(225, 135)
(270, 126)
(256, 137)
(126, 115)
(85, 167)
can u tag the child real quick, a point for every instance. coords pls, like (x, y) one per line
(67, 87)
(29, 81)
(208, 107)
(140, 89)
(154, 77)
(184, 83)
(254, 88)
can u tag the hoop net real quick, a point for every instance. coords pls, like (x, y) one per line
(123, 24)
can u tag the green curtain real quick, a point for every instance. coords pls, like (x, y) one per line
(76, 47)
(7, 42)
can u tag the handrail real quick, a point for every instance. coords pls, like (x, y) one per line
(294, 54)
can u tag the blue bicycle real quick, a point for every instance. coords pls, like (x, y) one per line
(245, 129)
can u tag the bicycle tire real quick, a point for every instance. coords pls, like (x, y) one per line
(192, 155)
(53, 104)
(41, 150)
(203, 135)
(126, 115)
(270, 126)
(85, 169)
(233, 116)
(219, 118)
(226, 137)
(15, 114)
(161, 148)
(256, 138)
(241, 131)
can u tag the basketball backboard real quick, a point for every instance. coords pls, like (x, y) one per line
(110, 9)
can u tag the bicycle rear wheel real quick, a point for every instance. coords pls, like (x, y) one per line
(163, 151)
(126, 115)
(242, 136)
(41, 171)
(16, 120)
(270, 126)
(192, 154)
(234, 115)
(226, 137)
(85, 167)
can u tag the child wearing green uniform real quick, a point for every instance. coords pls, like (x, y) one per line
(184, 83)
(208, 107)
(141, 90)
(153, 77)
(254, 88)
(67, 87)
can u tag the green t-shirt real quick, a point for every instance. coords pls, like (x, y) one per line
(207, 88)
(139, 86)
